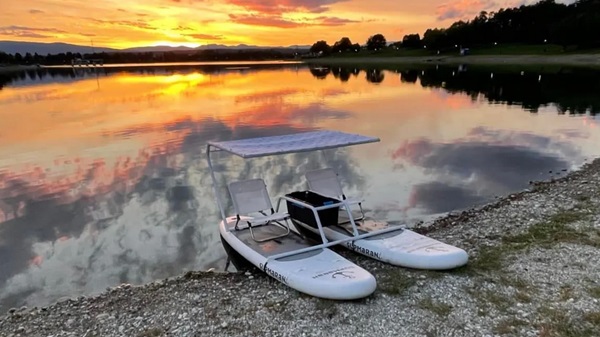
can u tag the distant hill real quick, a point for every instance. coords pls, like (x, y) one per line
(13, 47)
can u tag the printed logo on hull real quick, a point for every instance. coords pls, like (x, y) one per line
(279, 277)
(343, 274)
(363, 251)
(336, 271)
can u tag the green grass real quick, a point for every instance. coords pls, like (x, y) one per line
(509, 325)
(566, 293)
(594, 292)
(488, 299)
(593, 318)
(522, 297)
(489, 259)
(438, 308)
(556, 323)
(327, 307)
(394, 281)
(553, 231)
(500, 301)
(515, 282)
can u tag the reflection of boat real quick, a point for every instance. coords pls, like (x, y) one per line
(314, 269)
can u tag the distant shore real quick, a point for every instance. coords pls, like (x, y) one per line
(572, 59)
(14, 68)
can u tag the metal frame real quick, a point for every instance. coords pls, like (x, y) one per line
(326, 243)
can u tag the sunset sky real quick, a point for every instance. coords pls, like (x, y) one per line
(132, 23)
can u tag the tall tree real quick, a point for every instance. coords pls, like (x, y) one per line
(343, 45)
(411, 41)
(376, 42)
(320, 47)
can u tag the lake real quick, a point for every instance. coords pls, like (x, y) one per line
(103, 173)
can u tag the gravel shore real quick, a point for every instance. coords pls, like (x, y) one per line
(534, 271)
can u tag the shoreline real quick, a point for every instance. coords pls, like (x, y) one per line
(533, 270)
(16, 68)
(492, 60)
(572, 59)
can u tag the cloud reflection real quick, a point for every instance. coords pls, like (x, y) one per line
(153, 220)
(476, 169)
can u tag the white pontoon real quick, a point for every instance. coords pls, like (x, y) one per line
(262, 235)
(402, 247)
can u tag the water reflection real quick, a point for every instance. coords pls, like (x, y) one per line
(103, 178)
(487, 164)
(512, 87)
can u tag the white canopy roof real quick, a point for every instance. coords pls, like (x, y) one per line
(298, 142)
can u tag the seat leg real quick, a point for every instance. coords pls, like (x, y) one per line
(362, 213)
(287, 228)
(360, 218)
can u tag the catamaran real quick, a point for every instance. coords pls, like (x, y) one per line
(272, 239)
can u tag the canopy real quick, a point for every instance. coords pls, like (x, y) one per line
(298, 142)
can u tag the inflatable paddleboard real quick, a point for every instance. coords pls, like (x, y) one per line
(401, 248)
(320, 272)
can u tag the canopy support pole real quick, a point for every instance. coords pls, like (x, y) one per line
(214, 184)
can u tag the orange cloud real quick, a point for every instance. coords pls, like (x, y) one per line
(278, 21)
(285, 6)
(464, 9)
(206, 36)
(23, 31)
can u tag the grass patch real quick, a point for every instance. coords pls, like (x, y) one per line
(438, 308)
(486, 297)
(552, 231)
(593, 318)
(522, 297)
(394, 282)
(509, 325)
(515, 282)
(432, 274)
(594, 292)
(582, 198)
(566, 293)
(558, 324)
(488, 259)
(327, 307)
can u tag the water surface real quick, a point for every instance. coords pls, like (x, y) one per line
(103, 177)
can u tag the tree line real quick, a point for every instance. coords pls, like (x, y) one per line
(573, 26)
(148, 57)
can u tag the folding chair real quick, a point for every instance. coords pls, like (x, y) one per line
(326, 182)
(251, 197)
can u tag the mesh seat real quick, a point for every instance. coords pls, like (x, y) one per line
(326, 182)
(250, 197)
